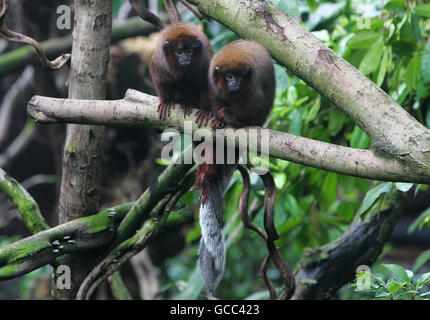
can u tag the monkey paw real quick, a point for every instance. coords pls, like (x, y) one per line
(203, 117)
(186, 109)
(217, 123)
(164, 109)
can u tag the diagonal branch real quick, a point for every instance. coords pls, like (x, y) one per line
(43, 248)
(133, 245)
(24, 202)
(140, 110)
(394, 132)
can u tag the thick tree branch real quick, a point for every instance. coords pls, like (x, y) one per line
(90, 232)
(78, 235)
(392, 130)
(140, 110)
(133, 245)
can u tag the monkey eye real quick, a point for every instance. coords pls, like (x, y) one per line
(229, 77)
(189, 51)
(179, 51)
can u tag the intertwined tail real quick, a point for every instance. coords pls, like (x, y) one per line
(212, 247)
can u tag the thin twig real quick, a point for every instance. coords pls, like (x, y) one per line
(194, 10)
(18, 37)
(146, 15)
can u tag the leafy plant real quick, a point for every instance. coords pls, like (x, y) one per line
(402, 284)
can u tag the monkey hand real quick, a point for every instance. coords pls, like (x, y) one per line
(164, 109)
(203, 117)
(186, 109)
(216, 123)
(219, 120)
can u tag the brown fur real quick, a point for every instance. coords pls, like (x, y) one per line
(252, 103)
(249, 105)
(186, 86)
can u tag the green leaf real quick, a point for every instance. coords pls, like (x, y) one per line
(312, 4)
(412, 75)
(372, 59)
(373, 195)
(394, 286)
(329, 190)
(336, 120)
(416, 26)
(346, 211)
(291, 205)
(395, 6)
(290, 225)
(410, 275)
(359, 139)
(425, 64)
(403, 187)
(398, 271)
(363, 40)
(281, 78)
(423, 10)
(296, 122)
(423, 280)
(280, 180)
(381, 293)
(418, 221)
(314, 110)
(383, 67)
(421, 260)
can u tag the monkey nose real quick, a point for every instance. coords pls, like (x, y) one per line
(233, 86)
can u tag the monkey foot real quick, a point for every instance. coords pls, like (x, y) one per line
(203, 117)
(217, 123)
(186, 109)
(164, 109)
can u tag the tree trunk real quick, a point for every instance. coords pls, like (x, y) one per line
(83, 148)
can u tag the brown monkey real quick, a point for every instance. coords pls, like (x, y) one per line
(242, 82)
(179, 64)
(242, 89)
(179, 69)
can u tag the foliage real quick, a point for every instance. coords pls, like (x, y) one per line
(400, 285)
(314, 206)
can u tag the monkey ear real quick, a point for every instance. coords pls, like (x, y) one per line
(166, 46)
(248, 71)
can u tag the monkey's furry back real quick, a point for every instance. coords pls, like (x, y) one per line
(212, 247)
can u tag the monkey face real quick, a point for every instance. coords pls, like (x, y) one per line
(233, 81)
(183, 52)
